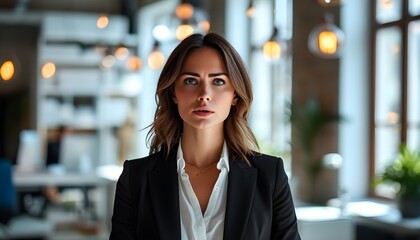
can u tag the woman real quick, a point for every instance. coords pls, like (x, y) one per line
(204, 178)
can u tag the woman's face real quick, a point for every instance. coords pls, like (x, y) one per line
(203, 91)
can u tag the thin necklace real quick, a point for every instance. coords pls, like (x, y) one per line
(201, 171)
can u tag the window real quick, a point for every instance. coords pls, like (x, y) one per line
(395, 83)
(272, 83)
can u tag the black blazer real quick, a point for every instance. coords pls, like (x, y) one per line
(259, 204)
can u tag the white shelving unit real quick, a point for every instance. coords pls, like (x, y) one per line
(84, 97)
(96, 104)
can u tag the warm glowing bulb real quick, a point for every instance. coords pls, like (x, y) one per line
(48, 70)
(250, 11)
(122, 53)
(133, 63)
(102, 22)
(108, 61)
(328, 42)
(183, 31)
(7, 70)
(184, 11)
(272, 50)
(204, 25)
(156, 59)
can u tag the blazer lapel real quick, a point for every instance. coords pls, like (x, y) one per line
(240, 195)
(163, 184)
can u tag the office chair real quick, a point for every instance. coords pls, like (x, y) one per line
(7, 191)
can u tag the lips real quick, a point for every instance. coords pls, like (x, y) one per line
(203, 112)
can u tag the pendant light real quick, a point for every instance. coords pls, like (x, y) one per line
(133, 63)
(250, 11)
(192, 17)
(7, 70)
(102, 21)
(272, 49)
(156, 58)
(184, 30)
(108, 61)
(9, 67)
(275, 46)
(326, 40)
(184, 10)
(121, 52)
(48, 70)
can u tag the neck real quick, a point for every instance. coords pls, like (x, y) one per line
(202, 147)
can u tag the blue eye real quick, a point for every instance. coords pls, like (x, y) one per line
(190, 81)
(219, 82)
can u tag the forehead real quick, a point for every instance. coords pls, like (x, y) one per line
(204, 58)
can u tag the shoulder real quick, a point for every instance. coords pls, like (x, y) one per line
(137, 166)
(268, 166)
(265, 161)
(135, 170)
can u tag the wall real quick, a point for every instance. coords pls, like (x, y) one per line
(318, 78)
(17, 96)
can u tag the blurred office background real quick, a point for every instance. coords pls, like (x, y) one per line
(336, 94)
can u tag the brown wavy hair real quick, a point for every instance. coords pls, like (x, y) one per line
(167, 127)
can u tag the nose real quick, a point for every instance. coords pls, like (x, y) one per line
(204, 94)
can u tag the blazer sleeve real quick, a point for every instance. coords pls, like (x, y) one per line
(124, 213)
(284, 217)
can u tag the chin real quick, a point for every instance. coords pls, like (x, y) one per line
(206, 126)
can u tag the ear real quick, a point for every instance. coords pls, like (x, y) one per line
(235, 100)
(174, 99)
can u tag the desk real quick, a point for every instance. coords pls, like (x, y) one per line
(394, 224)
(323, 223)
(24, 227)
(365, 219)
(24, 180)
(105, 187)
(42, 179)
(384, 217)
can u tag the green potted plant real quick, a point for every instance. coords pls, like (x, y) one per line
(404, 173)
(309, 120)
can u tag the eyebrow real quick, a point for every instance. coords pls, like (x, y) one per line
(197, 75)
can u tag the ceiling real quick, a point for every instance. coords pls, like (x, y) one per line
(109, 6)
(122, 7)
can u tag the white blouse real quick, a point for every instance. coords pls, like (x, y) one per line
(193, 224)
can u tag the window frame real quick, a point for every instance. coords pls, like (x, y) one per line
(403, 25)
